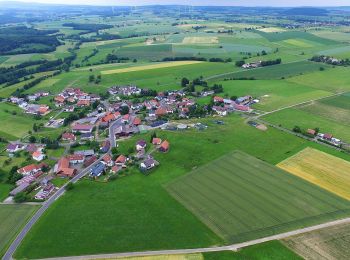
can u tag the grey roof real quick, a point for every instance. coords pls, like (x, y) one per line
(98, 169)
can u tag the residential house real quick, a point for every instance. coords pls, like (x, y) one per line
(121, 160)
(38, 156)
(156, 141)
(62, 168)
(105, 146)
(80, 128)
(76, 158)
(68, 137)
(164, 147)
(148, 164)
(29, 169)
(141, 144)
(13, 148)
(97, 170)
(107, 159)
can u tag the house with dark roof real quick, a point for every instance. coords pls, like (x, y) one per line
(148, 164)
(140, 145)
(97, 170)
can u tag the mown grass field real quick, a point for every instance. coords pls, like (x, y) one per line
(322, 169)
(328, 243)
(289, 118)
(13, 217)
(333, 79)
(150, 67)
(265, 251)
(276, 71)
(135, 212)
(242, 198)
(272, 94)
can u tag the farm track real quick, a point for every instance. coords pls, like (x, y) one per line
(233, 247)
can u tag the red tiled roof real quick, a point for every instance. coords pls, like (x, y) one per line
(156, 141)
(121, 159)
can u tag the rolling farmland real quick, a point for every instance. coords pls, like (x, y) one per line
(242, 198)
(150, 67)
(322, 169)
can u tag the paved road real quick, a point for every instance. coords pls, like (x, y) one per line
(233, 247)
(41, 211)
(111, 130)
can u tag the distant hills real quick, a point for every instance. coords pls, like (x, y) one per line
(307, 11)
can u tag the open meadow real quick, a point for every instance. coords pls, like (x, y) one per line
(322, 169)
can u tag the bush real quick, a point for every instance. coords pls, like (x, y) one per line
(70, 186)
(20, 197)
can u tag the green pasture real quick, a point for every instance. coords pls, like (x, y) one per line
(289, 118)
(273, 94)
(12, 219)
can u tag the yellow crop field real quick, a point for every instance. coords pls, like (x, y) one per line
(322, 169)
(200, 40)
(271, 29)
(298, 43)
(150, 67)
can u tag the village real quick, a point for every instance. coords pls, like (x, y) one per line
(99, 126)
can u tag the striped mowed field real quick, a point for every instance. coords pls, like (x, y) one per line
(150, 67)
(241, 197)
(322, 169)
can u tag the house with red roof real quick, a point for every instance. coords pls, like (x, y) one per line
(80, 128)
(107, 159)
(76, 158)
(218, 99)
(121, 160)
(62, 168)
(29, 169)
(156, 141)
(38, 156)
(164, 147)
(68, 137)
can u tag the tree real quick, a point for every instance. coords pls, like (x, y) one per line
(69, 186)
(32, 139)
(124, 110)
(91, 78)
(154, 135)
(20, 197)
(297, 129)
(184, 82)
(240, 63)
(114, 150)
(35, 127)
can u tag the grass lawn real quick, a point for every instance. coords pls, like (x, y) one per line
(328, 243)
(135, 212)
(246, 198)
(322, 169)
(289, 118)
(16, 125)
(332, 79)
(265, 251)
(276, 71)
(12, 219)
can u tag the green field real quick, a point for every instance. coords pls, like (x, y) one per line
(265, 251)
(242, 198)
(289, 118)
(276, 71)
(273, 94)
(13, 218)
